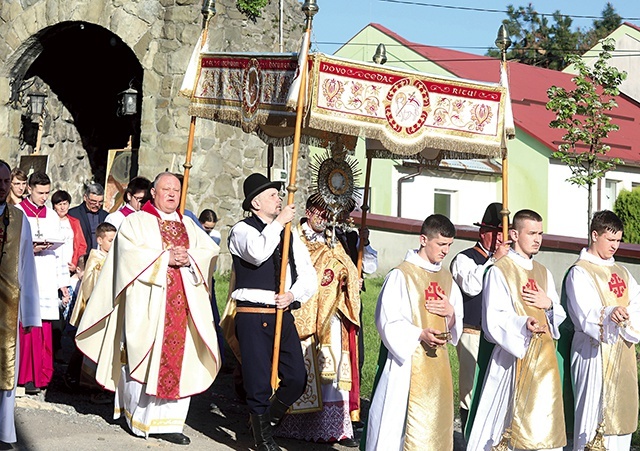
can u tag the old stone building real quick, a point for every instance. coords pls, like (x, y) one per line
(83, 53)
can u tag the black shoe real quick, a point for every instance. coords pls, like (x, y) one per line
(349, 442)
(31, 389)
(263, 432)
(175, 437)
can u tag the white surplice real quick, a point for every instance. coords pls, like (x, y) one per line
(385, 429)
(51, 270)
(585, 307)
(28, 315)
(504, 327)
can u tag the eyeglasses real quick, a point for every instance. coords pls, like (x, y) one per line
(138, 198)
(95, 201)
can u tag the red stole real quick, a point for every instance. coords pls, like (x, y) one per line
(173, 234)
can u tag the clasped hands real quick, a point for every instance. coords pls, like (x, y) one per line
(620, 316)
(178, 256)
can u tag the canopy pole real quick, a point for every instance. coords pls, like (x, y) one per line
(365, 209)
(310, 9)
(208, 11)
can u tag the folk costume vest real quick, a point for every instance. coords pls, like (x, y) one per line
(536, 406)
(11, 228)
(619, 371)
(267, 275)
(429, 422)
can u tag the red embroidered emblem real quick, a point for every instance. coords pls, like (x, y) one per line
(531, 285)
(617, 285)
(327, 277)
(431, 293)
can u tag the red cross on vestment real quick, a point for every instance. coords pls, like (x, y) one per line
(531, 285)
(617, 285)
(431, 293)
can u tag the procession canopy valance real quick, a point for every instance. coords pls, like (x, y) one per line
(407, 111)
(250, 91)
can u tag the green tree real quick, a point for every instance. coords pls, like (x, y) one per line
(582, 113)
(251, 8)
(627, 207)
(545, 41)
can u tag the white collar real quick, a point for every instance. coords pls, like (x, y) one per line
(413, 257)
(585, 255)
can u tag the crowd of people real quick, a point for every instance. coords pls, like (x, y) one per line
(149, 330)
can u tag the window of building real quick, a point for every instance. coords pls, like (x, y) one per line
(610, 194)
(442, 202)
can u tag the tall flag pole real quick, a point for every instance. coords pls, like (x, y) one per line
(310, 8)
(188, 88)
(380, 57)
(503, 43)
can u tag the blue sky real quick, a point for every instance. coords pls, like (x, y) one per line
(468, 31)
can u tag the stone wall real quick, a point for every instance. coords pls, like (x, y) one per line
(162, 35)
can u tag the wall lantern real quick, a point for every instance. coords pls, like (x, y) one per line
(128, 103)
(36, 103)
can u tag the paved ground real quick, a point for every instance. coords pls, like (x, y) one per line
(62, 420)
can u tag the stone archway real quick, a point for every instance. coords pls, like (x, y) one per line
(83, 67)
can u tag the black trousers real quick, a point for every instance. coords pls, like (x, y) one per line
(255, 332)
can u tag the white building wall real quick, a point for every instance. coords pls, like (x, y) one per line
(470, 194)
(567, 211)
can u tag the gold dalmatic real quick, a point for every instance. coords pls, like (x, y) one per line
(430, 409)
(9, 294)
(537, 410)
(619, 371)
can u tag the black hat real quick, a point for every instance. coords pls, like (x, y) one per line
(254, 185)
(492, 218)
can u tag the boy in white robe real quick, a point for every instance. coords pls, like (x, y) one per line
(398, 418)
(521, 315)
(19, 296)
(603, 300)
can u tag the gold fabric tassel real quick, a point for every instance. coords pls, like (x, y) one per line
(597, 442)
(503, 444)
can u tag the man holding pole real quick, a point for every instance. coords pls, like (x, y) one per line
(255, 246)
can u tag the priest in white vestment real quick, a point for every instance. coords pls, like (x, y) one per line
(148, 323)
(18, 297)
(419, 309)
(521, 315)
(603, 300)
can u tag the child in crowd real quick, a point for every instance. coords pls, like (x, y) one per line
(80, 369)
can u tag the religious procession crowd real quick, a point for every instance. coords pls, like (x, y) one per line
(135, 289)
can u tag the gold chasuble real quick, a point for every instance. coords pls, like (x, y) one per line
(619, 368)
(338, 293)
(10, 294)
(536, 406)
(429, 423)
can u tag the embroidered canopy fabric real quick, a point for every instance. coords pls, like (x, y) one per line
(406, 111)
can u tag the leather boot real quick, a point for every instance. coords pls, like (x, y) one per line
(277, 411)
(263, 432)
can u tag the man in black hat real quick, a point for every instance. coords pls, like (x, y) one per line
(468, 268)
(255, 246)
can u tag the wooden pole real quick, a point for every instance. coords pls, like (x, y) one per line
(365, 209)
(505, 170)
(208, 11)
(310, 9)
